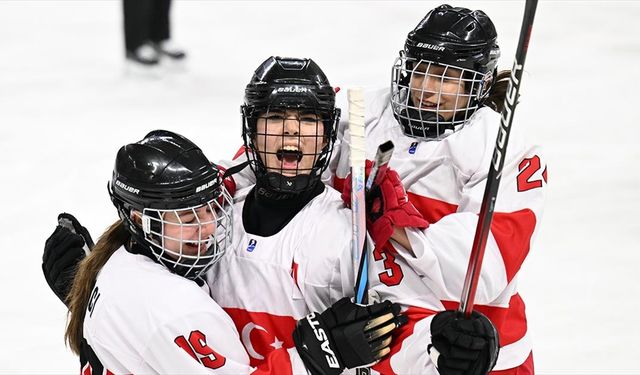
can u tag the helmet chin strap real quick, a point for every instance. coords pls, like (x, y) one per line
(277, 187)
(413, 122)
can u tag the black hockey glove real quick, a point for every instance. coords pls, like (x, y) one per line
(463, 346)
(346, 335)
(63, 250)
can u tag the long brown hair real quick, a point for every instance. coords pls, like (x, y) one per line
(111, 240)
(498, 92)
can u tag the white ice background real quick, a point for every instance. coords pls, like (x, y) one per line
(67, 103)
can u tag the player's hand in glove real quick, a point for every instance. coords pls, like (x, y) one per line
(346, 335)
(463, 346)
(63, 250)
(388, 206)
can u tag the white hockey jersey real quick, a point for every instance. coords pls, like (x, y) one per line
(266, 284)
(445, 180)
(142, 319)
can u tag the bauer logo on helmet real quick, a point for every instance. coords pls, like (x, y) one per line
(430, 46)
(126, 187)
(292, 89)
(205, 186)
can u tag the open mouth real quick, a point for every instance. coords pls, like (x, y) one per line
(289, 155)
(428, 105)
(195, 248)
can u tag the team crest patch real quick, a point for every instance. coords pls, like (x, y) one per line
(413, 147)
(252, 245)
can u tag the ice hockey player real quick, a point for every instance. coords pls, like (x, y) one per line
(138, 303)
(442, 114)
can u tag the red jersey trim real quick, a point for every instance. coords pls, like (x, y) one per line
(414, 314)
(511, 230)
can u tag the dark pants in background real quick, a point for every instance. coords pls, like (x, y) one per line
(145, 20)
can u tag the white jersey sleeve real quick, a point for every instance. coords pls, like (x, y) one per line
(144, 319)
(198, 356)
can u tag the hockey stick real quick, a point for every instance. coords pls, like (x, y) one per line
(378, 170)
(357, 161)
(495, 169)
(357, 156)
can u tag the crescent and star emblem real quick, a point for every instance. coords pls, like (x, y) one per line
(246, 340)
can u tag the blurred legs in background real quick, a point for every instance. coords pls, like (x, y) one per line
(147, 32)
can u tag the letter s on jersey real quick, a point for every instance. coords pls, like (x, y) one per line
(197, 348)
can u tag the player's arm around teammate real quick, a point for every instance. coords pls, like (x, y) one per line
(138, 305)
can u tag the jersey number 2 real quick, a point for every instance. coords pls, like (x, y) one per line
(198, 344)
(528, 167)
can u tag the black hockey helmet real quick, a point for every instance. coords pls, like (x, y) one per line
(453, 38)
(459, 37)
(282, 84)
(160, 179)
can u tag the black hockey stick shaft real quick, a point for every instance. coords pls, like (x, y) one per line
(495, 169)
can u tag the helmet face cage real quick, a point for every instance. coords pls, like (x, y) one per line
(289, 145)
(190, 240)
(433, 100)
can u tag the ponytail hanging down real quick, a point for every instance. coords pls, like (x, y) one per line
(498, 92)
(78, 299)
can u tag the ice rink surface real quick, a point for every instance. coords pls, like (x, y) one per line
(67, 103)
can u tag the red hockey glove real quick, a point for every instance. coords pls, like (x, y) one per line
(388, 206)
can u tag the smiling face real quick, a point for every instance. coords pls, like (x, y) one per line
(189, 231)
(181, 232)
(438, 88)
(289, 141)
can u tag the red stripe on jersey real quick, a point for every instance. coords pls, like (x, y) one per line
(278, 362)
(414, 314)
(338, 183)
(511, 322)
(432, 209)
(240, 152)
(294, 272)
(512, 232)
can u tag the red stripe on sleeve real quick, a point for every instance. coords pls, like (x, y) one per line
(240, 152)
(414, 314)
(278, 362)
(432, 209)
(338, 183)
(512, 232)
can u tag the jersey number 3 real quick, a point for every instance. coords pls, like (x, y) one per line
(198, 344)
(392, 274)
